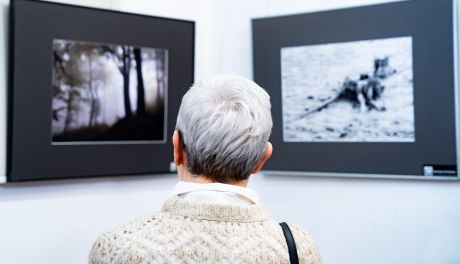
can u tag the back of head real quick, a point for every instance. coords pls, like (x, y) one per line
(224, 123)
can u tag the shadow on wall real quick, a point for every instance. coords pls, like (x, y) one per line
(87, 186)
(273, 177)
(5, 17)
(3, 86)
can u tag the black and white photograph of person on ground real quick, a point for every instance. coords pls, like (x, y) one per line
(359, 91)
(107, 93)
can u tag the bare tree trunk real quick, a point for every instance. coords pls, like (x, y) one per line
(91, 93)
(68, 117)
(140, 83)
(161, 85)
(125, 72)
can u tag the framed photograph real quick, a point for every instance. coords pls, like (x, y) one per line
(93, 92)
(108, 93)
(365, 92)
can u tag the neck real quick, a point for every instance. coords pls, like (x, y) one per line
(186, 176)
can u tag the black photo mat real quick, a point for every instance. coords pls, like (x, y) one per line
(34, 25)
(430, 27)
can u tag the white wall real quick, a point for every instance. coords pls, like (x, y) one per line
(352, 220)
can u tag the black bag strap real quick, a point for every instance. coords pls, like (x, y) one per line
(290, 243)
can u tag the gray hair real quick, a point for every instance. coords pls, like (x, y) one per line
(224, 123)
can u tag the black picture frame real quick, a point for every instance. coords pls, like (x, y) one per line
(33, 26)
(432, 26)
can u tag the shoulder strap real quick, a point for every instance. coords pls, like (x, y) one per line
(290, 243)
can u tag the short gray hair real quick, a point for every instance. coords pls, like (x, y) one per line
(224, 123)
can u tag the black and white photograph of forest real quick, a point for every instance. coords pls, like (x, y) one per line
(360, 91)
(108, 93)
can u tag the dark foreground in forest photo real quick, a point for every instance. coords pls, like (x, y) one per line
(142, 128)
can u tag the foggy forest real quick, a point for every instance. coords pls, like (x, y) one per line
(107, 92)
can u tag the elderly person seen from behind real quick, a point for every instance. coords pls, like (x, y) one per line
(221, 138)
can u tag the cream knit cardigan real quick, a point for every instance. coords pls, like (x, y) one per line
(189, 232)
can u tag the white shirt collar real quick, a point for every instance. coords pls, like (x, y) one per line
(215, 193)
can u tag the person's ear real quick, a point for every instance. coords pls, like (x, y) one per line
(268, 153)
(178, 149)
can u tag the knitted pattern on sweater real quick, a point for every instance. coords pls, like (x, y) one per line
(187, 232)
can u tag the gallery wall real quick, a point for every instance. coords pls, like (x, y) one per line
(352, 220)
